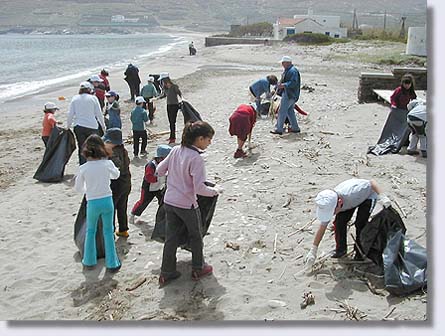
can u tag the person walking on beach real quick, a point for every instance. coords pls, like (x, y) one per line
(186, 179)
(103, 75)
(152, 185)
(113, 110)
(403, 93)
(242, 122)
(260, 87)
(174, 97)
(133, 80)
(93, 180)
(49, 121)
(149, 92)
(98, 89)
(192, 49)
(138, 119)
(85, 115)
(121, 186)
(289, 88)
(342, 201)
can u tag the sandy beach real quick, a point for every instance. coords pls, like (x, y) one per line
(268, 197)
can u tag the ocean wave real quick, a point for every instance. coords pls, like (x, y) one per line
(22, 89)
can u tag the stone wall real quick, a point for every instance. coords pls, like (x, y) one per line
(388, 81)
(216, 41)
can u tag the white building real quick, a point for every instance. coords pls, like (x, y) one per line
(122, 19)
(310, 23)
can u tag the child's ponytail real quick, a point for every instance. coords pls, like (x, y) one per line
(195, 130)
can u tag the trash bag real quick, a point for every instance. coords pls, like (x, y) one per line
(394, 134)
(374, 236)
(207, 208)
(189, 112)
(80, 229)
(405, 265)
(61, 145)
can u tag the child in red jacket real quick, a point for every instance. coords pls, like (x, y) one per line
(49, 121)
(242, 122)
(152, 186)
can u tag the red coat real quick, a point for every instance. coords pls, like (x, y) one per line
(401, 97)
(242, 121)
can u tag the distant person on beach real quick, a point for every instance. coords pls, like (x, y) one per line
(149, 92)
(260, 87)
(98, 89)
(104, 76)
(174, 97)
(242, 121)
(403, 93)
(138, 119)
(93, 180)
(49, 121)
(186, 179)
(121, 186)
(289, 89)
(152, 185)
(85, 115)
(342, 201)
(417, 122)
(113, 110)
(192, 49)
(133, 80)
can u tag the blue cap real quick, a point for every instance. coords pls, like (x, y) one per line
(111, 94)
(113, 135)
(162, 151)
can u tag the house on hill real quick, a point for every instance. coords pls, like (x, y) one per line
(310, 23)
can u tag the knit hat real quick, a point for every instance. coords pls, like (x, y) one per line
(162, 151)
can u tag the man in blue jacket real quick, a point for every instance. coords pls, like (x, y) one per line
(289, 86)
(260, 87)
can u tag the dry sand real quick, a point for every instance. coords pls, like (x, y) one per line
(267, 197)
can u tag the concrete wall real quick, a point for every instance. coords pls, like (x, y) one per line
(416, 44)
(388, 81)
(216, 41)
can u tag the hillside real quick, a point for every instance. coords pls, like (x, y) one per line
(202, 15)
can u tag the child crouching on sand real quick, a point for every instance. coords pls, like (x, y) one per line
(152, 185)
(49, 121)
(186, 179)
(93, 179)
(242, 121)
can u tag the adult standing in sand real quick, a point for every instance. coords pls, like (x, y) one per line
(133, 80)
(174, 97)
(289, 88)
(342, 201)
(85, 115)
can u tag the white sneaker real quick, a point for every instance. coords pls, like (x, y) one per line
(131, 219)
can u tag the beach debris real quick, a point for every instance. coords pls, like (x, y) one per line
(400, 208)
(386, 317)
(61, 98)
(374, 290)
(302, 228)
(358, 247)
(308, 299)
(287, 163)
(282, 273)
(137, 284)
(290, 198)
(352, 313)
(233, 246)
(329, 133)
(275, 244)
(276, 304)
(308, 88)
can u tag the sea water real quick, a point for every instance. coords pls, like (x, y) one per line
(33, 63)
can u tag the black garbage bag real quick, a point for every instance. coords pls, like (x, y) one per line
(61, 144)
(207, 208)
(394, 134)
(405, 265)
(80, 229)
(189, 112)
(374, 236)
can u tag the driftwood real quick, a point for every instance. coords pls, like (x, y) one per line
(302, 228)
(389, 313)
(351, 312)
(275, 244)
(286, 163)
(137, 284)
(400, 208)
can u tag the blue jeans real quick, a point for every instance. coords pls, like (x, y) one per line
(286, 111)
(102, 207)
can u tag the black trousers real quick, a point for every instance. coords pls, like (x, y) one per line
(145, 199)
(138, 135)
(341, 225)
(172, 113)
(120, 201)
(134, 89)
(176, 219)
(82, 133)
(45, 140)
(150, 108)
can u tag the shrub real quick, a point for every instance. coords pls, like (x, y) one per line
(310, 38)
